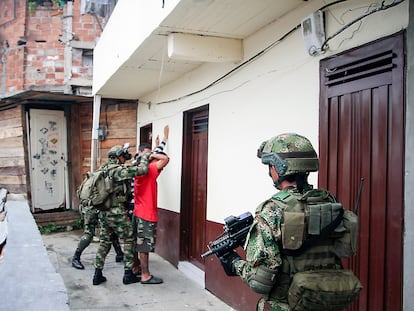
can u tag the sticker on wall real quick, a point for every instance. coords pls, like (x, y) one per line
(52, 125)
(49, 187)
(53, 173)
(44, 170)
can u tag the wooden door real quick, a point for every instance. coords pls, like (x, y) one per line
(48, 159)
(194, 185)
(362, 136)
(145, 134)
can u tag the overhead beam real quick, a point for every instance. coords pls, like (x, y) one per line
(204, 48)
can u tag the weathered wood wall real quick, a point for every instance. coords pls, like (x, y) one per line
(12, 151)
(120, 120)
(118, 117)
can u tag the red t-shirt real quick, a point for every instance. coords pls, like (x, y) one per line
(145, 194)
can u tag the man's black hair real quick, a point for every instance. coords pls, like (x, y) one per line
(142, 147)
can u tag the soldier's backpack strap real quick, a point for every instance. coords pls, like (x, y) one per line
(286, 198)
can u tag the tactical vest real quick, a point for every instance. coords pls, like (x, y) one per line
(305, 217)
(312, 276)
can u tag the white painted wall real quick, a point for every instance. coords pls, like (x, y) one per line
(277, 92)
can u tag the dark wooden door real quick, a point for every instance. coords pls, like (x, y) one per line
(362, 136)
(194, 185)
(145, 134)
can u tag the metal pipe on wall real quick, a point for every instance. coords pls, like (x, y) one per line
(95, 126)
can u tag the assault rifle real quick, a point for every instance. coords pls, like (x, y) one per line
(234, 235)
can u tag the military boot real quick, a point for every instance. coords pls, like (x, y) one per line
(119, 253)
(98, 278)
(76, 263)
(130, 278)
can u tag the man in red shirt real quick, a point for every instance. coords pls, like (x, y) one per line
(146, 209)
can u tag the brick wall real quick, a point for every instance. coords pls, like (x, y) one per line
(32, 47)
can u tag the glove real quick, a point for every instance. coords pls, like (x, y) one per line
(227, 261)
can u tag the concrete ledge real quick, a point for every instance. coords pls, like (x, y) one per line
(28, 279)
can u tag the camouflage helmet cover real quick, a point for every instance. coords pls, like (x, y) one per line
(115, 151)
(289, 153)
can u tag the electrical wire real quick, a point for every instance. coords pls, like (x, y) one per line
(231, 71)
(262, 52)
(381, 8)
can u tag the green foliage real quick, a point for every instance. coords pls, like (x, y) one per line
(79, 224)
(32, 4)
(47, 229)
(53, 228)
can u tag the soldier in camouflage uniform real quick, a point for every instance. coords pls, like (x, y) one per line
(90, 221)
(116, 219)
(290, 158)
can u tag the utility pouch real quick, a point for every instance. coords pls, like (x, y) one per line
(322, 215)
(262, 280)
(346, 245)
(109, 185)
(329, 289)
(292, 230)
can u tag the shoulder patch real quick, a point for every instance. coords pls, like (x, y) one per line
(281, 196)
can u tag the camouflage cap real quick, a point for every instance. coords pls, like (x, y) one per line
(290, 153)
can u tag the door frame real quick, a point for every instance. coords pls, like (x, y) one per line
(388, 73)
(67, 160)
(186, 209)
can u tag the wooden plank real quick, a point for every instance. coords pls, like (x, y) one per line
(11, 114)
(10, 123)
(57, 218)
(8, 162)
(11, 132)
(13, 180)
(14, 188)
(12, 152)
(12, 171)
(10, 142)
(125, 134)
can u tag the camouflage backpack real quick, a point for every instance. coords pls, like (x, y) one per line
(316, 232)
(96, 188)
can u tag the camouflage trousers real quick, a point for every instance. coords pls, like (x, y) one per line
(145, 233)
(264, 305)
(90, 222)
(115, 220)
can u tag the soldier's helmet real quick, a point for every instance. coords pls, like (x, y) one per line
(115, 151)
(289, 153)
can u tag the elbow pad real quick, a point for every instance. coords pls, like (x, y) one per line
(262, 280)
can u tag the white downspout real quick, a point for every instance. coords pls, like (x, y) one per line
(95, 126)
(68, 37)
